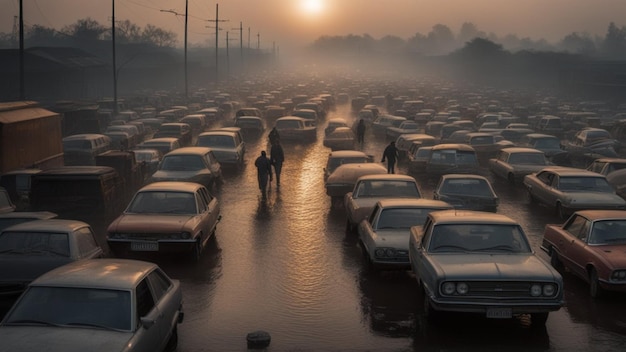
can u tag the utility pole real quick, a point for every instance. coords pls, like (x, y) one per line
(228, 56)
(186, 70)
(240, 29)
(258, 41)
(115, 111)
(217, 32)
(22, 87)
(248, 38)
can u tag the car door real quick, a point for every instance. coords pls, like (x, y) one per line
(86, 244)
(499, 164)
(150, 319)
(574, 248)
(166, 302)
(212, 214)
(542, 186)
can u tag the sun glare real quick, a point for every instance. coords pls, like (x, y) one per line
(312, 7)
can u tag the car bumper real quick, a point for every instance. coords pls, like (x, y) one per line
(483, 306)
(160, 246)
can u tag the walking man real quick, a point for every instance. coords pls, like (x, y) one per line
(390, 154)
(277, 157)
(274, 137)
(360, 131)
(264, 172)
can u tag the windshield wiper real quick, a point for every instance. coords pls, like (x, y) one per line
(501, 247)
(31, 321)
(92, 325)
(451, 246)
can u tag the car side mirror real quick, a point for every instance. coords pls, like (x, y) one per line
(146, 322)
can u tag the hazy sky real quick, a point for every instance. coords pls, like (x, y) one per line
(293, 22)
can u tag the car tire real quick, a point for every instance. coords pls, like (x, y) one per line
(560, 211)
(196, 252)
(172, 343)
(350, 228)
(529, 197)
(595, 290)
(538, 320)
(511, 179)
(430, 313)
(555, 261)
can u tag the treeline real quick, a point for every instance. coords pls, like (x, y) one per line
(441, 40)
(87, 30)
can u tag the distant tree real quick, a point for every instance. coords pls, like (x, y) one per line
(37, 35)
(481, 48)
(391, 44)
(128, 32)
(416, 43)
(86, 30)
(6, 41)
(158, 36)
(578, 44)
(468, 32)
(440, 40)
(614, 46)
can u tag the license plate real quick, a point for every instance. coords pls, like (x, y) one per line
(499, 313)
(144, 246)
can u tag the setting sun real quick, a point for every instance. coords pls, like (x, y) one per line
(312, 7)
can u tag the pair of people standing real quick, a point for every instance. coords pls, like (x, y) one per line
(264, 164)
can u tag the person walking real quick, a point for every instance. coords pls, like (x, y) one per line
(277, 157)
(390, 154)
(273, 136)
(264, 172)
(360, 131)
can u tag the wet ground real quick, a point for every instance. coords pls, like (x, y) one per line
(286, 266)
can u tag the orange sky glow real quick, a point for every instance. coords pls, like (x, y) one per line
(299, 22)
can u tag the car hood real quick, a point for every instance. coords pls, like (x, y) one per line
(595, 198)
(26, 268)
(614, 254)
(161, 223)
(51, 339)
(456, 266)
(178, 175)
(396, 238)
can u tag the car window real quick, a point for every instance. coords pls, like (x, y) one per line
(575, 226)
(85, 241)
(160, 283)
(373, 214)
(201, 203)
(35, 243)
(145, 301)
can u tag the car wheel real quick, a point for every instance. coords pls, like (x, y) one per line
(554, 260)
(529, 197)
(511, 179)
(349, 227)
(197, 252)
(560, 211)
(595, 290)
(429, 312)
(172, 343)
(538, 320)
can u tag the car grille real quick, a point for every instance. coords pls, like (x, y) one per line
(498, 289)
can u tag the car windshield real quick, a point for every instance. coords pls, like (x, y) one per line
(527, 159)
(548, 143)
(35, 243)
(478, 238)
(608, 232)
(402, 218)
(386, 188)
(73, 307)
(161, 202)
(288, 124)
(482, 140)
(182, 163)
(589, 184)
(467, 187)
(453, 157)
(334, 163)
(216, 141)
(77, 144)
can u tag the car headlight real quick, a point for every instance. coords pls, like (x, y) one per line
(385, 252)
(549, 290)
(462, 288)
(618, 275)
(448, 288)
(535, 290)
(185, 235)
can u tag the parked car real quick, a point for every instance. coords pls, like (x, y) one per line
(96, 305)
(340, 157)
(166, 217)
(227, 146)
(569, 189)
(343, 179)
(605, 166)
(405, 127)
(131, 130)
(32, 248)
(486, 145)
(512, 164)
(6, 205)
(590, 244)
(149, 159)
(341, 138)
(178, 130)
(465, 191)
(451, 158)
(370, 189)
(478, 262)
(82, 149)
(418, 159)
(382, 122)
(252, 127)
(293, 128)
(164, 145)
(18, 217)
(406, 142)
(334, 123)
(189, 164)
(197, 123)
(550, 145)
(384, 234)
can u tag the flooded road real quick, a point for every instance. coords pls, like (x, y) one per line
(286, 266)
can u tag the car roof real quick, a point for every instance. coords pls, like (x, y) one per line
(413, 202)
(177, 186)
(346, 154)
(470, 216)
(122, 274)
(218, 133)
(463, 176)
(76, 171)
(160, 140)
(291, 118)
(28, 215)
(602, 214)
(385, 177)
(48, 225)
(611, 160)
(189, 150)
(83, 136)
(571, 171)
(458, 146)
(540, 135)
(521, 150)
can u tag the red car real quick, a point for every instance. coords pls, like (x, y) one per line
(591, 244)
